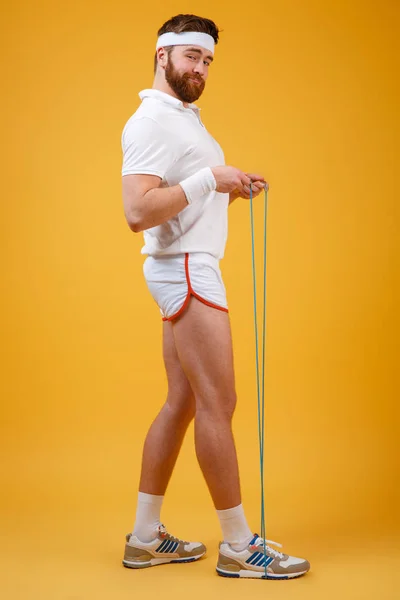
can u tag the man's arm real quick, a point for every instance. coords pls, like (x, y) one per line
(146, 204)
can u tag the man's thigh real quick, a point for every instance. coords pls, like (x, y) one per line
(179, 390)
(204, 345)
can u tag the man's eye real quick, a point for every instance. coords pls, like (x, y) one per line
(190, 56)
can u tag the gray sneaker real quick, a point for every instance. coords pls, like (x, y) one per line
(164, 549)
(259, 561)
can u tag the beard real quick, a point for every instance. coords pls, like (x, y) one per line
(186, 90)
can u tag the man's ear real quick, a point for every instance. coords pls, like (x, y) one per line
(162, 57)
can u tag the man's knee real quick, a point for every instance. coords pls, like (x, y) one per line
(219, 404)
(181, 407)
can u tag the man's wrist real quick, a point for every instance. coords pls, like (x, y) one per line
(233, 195)
(199, 184)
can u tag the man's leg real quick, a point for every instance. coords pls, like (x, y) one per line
(163, 441)
(204, 344)
(204, 347)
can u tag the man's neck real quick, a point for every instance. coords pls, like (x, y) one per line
(163, 86)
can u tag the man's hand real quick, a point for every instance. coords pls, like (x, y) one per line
(258, 184)
(230, 178)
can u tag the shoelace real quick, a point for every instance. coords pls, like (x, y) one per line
(264, 543)
(163, 532)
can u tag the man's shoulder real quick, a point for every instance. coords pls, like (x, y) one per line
(153, 120)
(154, 110)
(150, 115)
(145, 129)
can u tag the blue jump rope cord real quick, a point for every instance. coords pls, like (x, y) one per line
(260, 382)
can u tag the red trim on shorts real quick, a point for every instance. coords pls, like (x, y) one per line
(190, 293)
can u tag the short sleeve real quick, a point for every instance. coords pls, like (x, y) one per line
(148, 148)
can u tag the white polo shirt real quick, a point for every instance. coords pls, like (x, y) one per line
(166, 139)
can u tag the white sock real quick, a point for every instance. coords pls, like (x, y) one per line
(147, 516)
(234, 526)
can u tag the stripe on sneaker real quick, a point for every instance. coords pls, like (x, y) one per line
(168, 546)
(171, 547)
(253, 558)
(259, 560)
(264, 561)
(162, 546)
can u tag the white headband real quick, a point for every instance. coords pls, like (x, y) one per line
(187, 38)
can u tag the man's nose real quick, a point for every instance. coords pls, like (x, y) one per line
(200, 68)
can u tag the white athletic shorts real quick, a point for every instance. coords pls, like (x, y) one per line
(172, 280)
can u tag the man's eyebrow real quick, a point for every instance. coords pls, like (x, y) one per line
(210, 58)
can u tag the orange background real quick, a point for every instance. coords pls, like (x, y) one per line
(307, 94)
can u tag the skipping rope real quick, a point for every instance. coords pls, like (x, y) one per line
(260, 376)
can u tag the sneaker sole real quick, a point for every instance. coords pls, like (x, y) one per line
(257, 574)
(154, 562)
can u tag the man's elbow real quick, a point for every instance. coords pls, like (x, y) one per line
(135, 223)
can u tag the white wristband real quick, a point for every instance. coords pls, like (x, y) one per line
(199, 184)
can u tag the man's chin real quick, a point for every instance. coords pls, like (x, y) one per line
(196, 93)
(195, 98)
(190, 99)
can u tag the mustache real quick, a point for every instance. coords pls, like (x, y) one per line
(199, 79)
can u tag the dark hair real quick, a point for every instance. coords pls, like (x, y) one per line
(182, 23)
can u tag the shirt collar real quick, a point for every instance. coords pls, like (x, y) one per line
(167, 98)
